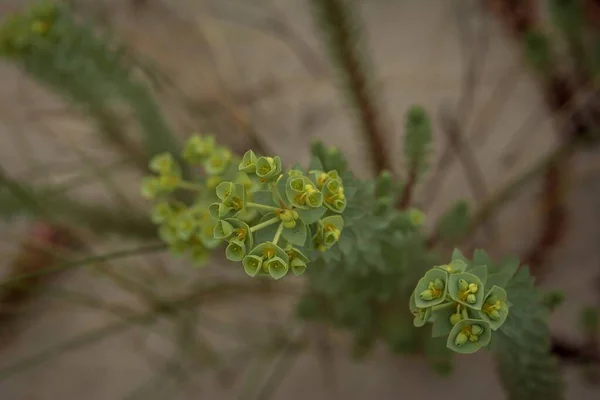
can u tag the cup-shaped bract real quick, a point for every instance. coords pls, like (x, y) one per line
(186, 225)
(213, 209)
(495, 307)
(268, 168)
(269, 250)
(169, 182)
(163, 164)
(302, 193)
(276, 267)
(225, 192)
(248, 163)
(150, 187)
(222, 230)
(421, 315)
(298, 266)
(431, 290)
(334, 197)
(236, 250)
(217, 162)
(162, 211)
(314, 199)
(332, 227)
(469, 335)
(319, 177)
(241, 231)
(197, 148)
(464, 294)
(252, 265)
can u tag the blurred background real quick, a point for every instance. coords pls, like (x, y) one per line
(261, 74)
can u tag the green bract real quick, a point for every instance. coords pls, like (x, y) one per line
(495, 309)
(467, 289)
(198, 148)
(268, 168)
(248, 163)
(454, 298)
(431, 289)
(469, 335)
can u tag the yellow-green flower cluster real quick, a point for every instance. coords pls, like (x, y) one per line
(189, 228)
(455, 299)
(268, 219)
(292, 220)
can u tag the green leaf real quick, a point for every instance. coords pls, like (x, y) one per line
(480, 257)
(441, 324)
(522, 345)
(481, 272)
(417, 139)
(311, 215)
(457, 255)
(296, 235)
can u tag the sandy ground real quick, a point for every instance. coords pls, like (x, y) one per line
(258, 63)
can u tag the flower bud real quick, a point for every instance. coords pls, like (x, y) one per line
(438, 284)
(426, 295)
(471, 299)
(476, 329)
(461, 339)
(463, 285)
(455, 318)
(286, 216)
(494, 315)
(492, 299)
(289, 224)
(473, 288)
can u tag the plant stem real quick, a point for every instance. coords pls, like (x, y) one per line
(262, 207)
(264, 224)
(278, 233)
(465, 315)
(191, 186)
(149, 248)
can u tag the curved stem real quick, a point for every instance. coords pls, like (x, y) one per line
(262, 207)
(278, 233)
(264, 224)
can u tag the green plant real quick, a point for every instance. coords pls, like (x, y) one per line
(360, 244)
(365, 254)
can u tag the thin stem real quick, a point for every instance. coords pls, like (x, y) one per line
(262, 207)
(87, 261)
(191, 186)
(268, 222)
(465, 315)
(278, 233)
(442, 306)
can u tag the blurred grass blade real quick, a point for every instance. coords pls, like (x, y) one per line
(87, 261)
